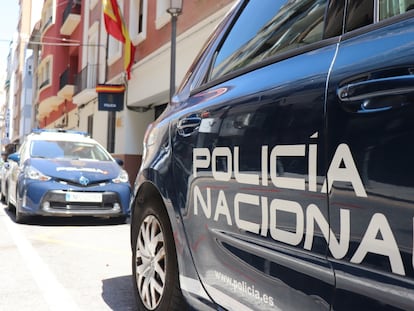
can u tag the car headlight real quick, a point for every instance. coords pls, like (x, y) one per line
(122, 177)
(33, 173)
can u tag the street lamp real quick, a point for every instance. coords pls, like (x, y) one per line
(175, 8)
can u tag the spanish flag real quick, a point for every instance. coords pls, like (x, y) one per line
(115, 26)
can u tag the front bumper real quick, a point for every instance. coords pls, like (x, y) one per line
(52, 199)
(55, 203)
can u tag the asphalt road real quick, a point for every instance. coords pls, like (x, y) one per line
(64, 264)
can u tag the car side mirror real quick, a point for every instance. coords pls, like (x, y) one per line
(119, 161)
(14, 157)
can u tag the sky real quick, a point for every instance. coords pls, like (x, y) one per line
(8, 27)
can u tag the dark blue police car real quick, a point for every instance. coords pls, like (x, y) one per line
(280, 177)
(66, 173)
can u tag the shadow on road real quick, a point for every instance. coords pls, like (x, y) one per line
(118, 293)
(66, 221)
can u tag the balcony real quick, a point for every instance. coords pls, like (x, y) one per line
(48, 105)
(66, 84)
(85, 88)
(71, 17)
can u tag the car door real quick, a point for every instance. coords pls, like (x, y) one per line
(370, 178)
(248, 150)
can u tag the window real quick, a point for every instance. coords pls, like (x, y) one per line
(50, 149)
(138, 20)
(114, 50)
(268, 27)
(115, 46)
(363, 13)
(47, 14)
(93, 44)
(359, 14)
(44, 72)
(390, 8)
(162, 17)
(92, 51)
(93, 4)
(162, 6)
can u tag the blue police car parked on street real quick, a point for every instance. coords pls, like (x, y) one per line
(280, 177)
(66, 173)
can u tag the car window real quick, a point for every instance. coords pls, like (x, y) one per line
(363, 13)
(45, 149)
(266, 28)
(67, 149)
(390, 8)
(359, 14)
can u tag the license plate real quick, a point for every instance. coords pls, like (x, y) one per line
(83, 197)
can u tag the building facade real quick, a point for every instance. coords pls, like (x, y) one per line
(28, 16)
(75, 54)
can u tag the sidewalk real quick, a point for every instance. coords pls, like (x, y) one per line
(18, 290)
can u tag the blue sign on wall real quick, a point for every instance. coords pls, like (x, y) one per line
(110, 97)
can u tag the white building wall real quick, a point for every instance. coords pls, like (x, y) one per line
(100, 121)
(130, 130)
(26, 95)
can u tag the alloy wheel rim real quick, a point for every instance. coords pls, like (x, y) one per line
(150, 262)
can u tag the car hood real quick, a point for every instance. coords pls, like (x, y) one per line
(72, 170)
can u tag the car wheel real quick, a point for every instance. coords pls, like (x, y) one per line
(19, 216)
(154, 261)
(9, 205)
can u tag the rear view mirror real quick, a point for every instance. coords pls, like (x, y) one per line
(14, 157)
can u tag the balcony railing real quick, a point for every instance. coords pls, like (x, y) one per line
(66, 78)
(73, 7)
(44, 83)
(87, 78)
(66, 84)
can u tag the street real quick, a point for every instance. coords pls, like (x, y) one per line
(64, 264)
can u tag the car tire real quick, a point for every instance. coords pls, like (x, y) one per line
(154, 261)
(19, 216)
(9, 205)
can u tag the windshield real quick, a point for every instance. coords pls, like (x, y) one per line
(68, 149)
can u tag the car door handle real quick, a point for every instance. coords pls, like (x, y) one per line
(188, 126)
(377, 88)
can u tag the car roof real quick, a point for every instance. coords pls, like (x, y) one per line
(63, 135)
